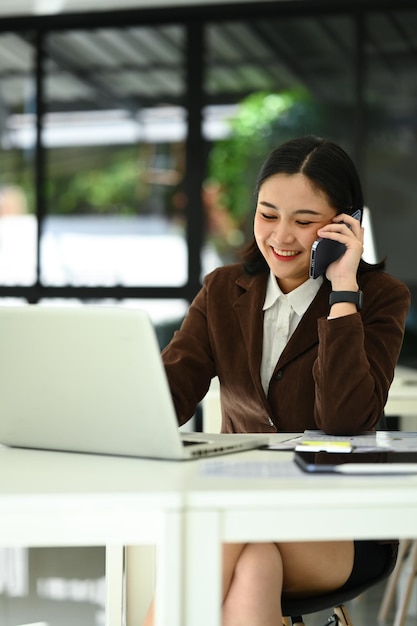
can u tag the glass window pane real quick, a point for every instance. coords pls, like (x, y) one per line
(269, 80)
(114, 135)
(18, 229)
(391, 97)
(391, 148)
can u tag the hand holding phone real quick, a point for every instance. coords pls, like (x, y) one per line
(326, 251)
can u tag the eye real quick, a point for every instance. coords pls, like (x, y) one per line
(266, 211)
(304, 223)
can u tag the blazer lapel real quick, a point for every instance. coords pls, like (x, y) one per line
(248, 309)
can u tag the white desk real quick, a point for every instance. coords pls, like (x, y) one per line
(59, 499)
(297, 507)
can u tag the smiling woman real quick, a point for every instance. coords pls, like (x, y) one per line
(288, 215)
(274, 338)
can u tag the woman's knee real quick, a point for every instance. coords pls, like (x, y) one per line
(255, 590)
(259, 562)
(251, 559)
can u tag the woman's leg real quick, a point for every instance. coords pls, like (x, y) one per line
(149, 618)
(255, 575)
(252, 585)
(316, 567)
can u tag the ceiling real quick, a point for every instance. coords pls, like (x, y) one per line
(46, 7)
(131, 66)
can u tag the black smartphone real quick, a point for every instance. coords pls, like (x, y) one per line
(325, 251)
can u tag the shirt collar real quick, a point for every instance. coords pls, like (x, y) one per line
(300, 298)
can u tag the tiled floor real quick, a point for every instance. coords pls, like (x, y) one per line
(364, 611)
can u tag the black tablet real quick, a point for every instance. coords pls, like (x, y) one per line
(355, 463)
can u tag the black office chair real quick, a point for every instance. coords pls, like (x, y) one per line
(294, 608)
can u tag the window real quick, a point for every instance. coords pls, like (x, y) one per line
(131, 141)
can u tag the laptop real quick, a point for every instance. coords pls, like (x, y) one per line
(91, 379)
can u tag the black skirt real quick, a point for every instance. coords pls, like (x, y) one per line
(370, 560)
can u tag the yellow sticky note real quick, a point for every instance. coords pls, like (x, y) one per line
(324, 446)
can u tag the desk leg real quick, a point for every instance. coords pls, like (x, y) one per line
(169, 572)
(114, 585)
(203, 569)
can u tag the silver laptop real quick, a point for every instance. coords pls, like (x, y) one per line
(91, 379)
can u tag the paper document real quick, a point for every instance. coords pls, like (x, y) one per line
(287, 444)
(317, 441)
(219, 468)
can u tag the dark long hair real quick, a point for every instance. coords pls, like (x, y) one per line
(329, 169)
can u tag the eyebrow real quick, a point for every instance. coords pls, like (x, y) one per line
(298, 212)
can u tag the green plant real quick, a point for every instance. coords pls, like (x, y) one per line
(263, 120)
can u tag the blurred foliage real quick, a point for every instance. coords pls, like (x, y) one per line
(16, 170)
(262, 122)
(107, 182)
(99, 180)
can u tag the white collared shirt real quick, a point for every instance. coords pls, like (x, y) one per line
(282, 313)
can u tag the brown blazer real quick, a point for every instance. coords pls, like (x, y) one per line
(333, 374)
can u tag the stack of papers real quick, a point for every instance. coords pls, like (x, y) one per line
(318, 441)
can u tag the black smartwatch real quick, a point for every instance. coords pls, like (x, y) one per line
(356, 297)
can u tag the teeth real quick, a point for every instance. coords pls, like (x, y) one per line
(285, 252)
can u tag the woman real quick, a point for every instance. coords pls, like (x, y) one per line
(294, 353)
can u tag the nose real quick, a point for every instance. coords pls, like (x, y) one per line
(283, 232)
